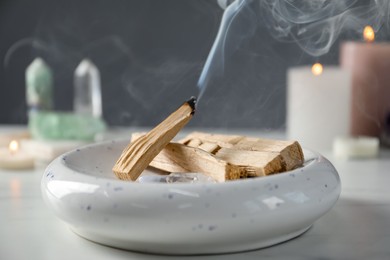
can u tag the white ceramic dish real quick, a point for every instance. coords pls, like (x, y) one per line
(185, 218)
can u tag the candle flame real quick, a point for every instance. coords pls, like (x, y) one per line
(368, 34)
(317, 69)
(13, 146)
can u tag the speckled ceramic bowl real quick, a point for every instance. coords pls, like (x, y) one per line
(185, 218)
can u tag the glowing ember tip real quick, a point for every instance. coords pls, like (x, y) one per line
(317, 69)
(192, 102)
(368, 34)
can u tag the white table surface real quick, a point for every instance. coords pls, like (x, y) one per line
(358, 227)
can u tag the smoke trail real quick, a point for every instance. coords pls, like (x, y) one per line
(312, 24)
(236, 25)
(36, 43)
(315, 25)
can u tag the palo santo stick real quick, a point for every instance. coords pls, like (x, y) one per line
(176, 157)
(263, 163)
(254, 156)
(215, 138)
(139, 153)
(290, 151)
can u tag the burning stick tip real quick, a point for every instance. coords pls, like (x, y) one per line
(192, 103)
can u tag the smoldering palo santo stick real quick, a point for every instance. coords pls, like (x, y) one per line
(138, 154)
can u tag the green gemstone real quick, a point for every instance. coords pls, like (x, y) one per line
(64, 126)
(39, 85)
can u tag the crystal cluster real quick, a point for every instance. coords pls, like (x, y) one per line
(81, 124)
(64, 126)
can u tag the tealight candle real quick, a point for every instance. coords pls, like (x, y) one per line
(14, 158)
(7, 137)
(356, 147)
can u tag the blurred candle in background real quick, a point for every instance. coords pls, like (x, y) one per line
(13, 158)
(318, 105)
(369, 64)
(356, 147)
(8, 135)
(87, 94)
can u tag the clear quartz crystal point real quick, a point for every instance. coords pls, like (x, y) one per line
(188, 177)
(87, 94)
(176, 177)
(39, 86)
(152, 178)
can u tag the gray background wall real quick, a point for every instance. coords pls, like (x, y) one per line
(150, 55)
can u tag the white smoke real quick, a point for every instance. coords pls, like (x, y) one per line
(314, 25)
(236, 25)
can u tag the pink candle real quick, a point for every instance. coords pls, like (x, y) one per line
(369, 64)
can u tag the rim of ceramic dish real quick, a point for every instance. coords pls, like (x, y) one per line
(61, 164)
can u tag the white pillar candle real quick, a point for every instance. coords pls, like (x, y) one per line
(356, 147)
(318, 107)
(15, 159)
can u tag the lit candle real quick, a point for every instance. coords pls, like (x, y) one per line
(369, 64)
(318, 105)
(14, 158)
(7, 137)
